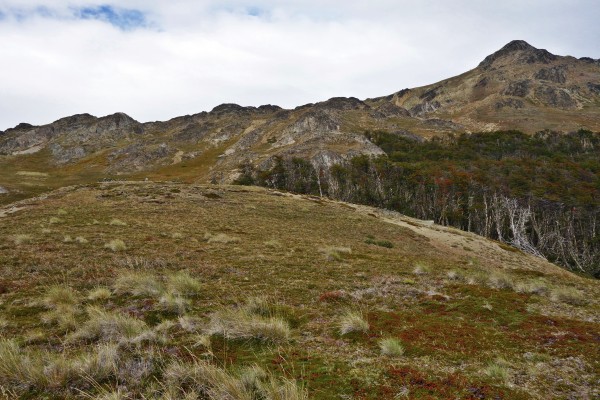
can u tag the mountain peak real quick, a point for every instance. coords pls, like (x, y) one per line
(532, 54)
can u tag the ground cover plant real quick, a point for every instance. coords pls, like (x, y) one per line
(266, 295)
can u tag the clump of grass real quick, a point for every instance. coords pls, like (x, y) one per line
(498, 370)
(54, 220)
(57, 296)
(221, 238)
(538, 286)
(64, 316)
(67, 239)
(336, 253)
(391, 347)
(62, 211)
(242, 324)
(421, 269)
(116, 245)
(117, 222)
(183, 284)
(18, 367)
(182, 379)
(99, 293)
(453, 275)
(171, 302)
(274, 244)
(487, 306)
(81, 240)
(568, 295)
(501, 280)
(108, 326)
(177, 235)
(138, 284)
(22, 239)
(353, 321)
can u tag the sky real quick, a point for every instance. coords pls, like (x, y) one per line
(155, 60)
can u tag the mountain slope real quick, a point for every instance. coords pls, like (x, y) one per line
(475, 319)
(518, 87)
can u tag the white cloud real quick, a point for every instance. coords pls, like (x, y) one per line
(192, 55)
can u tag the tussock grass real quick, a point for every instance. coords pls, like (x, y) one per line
(81, 240)
(116, 245)
(538, 286)
(501, 280)
(22, 239)
(55, 220)
(174, 303)
(183, 284)
(109, 326)
(67, 239)
(421, 269)
(18, 367)
(215, 383)
(138, 284)
(59, 296)
(453, 275)
(177, 235)
(99, 293)
(242, 324)
(117, 222)
(64, 316)
(221, 238)
(498, 370)
(335, 253)
(391, 347)
(568, 295)
(353, 321)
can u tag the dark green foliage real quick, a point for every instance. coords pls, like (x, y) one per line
(380, 243)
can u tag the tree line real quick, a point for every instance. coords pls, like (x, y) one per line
(539, 193)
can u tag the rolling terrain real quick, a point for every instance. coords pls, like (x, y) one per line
(164, 290)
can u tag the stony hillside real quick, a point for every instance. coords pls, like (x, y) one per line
(131, 290)
(518, 87)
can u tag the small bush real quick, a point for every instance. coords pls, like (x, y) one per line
(241, 324)
(391, 347)
(380, 243)
(353, 321)
(116, 245)
(117, 222)
(138, 284)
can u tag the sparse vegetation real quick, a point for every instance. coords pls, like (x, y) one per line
(183, 284)
(334, 253)
(117, 222)
(108, 326)
(568, 295)
(99, 293)
(22, 239)
(220, 238)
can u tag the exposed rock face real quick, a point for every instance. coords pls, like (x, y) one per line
(594, 87)
(424, 108)
(554, 74)
(518, 89)
(389, 110)
(509, 103)
(3, 191)
(341, 104)
(555, 97)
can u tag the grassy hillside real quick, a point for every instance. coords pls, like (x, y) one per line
(171, 291)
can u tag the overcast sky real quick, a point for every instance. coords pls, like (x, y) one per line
(155, 60)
